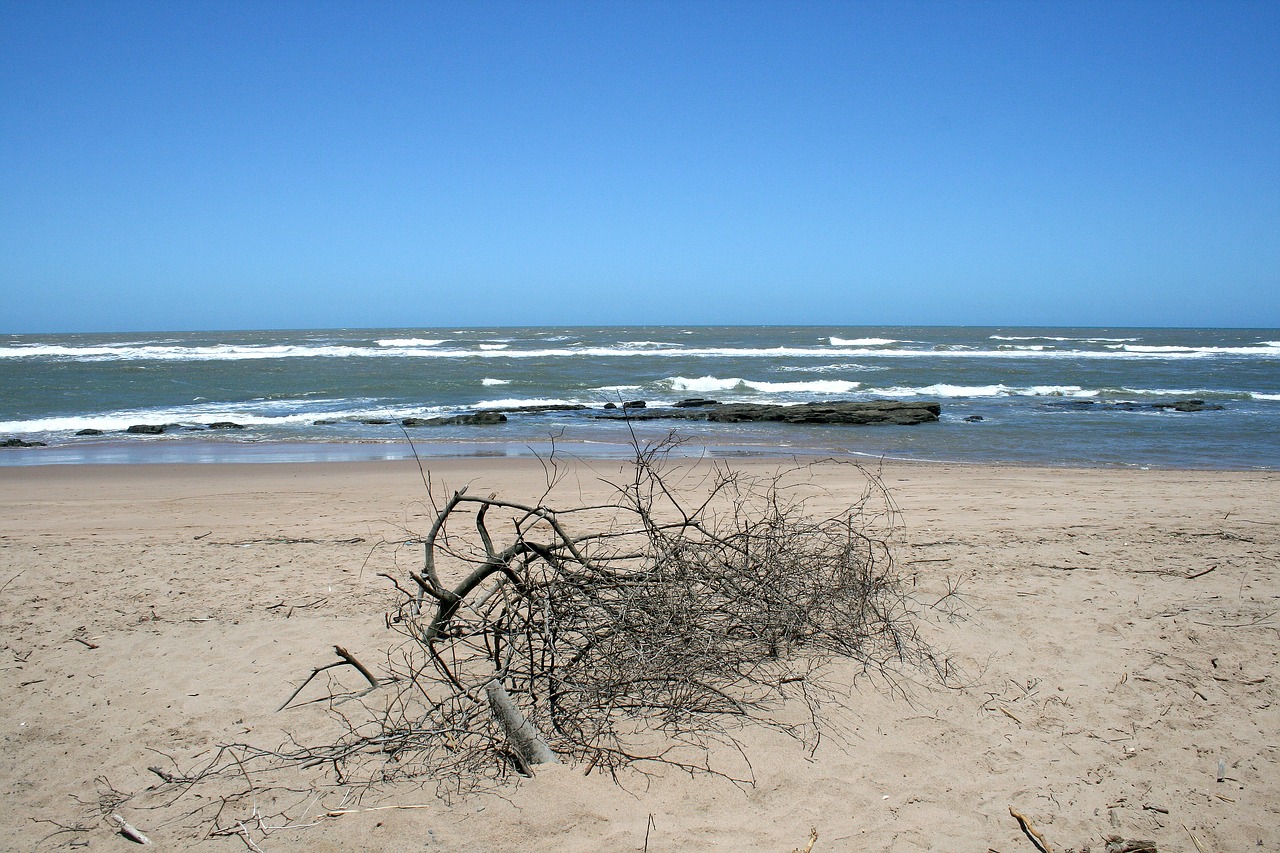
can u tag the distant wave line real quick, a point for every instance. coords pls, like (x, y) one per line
(1059, 339)
(411, 342)
(232, 352)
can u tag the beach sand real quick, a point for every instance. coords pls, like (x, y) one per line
(1115, 636)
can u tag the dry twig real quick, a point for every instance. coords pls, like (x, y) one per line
(1030, 831)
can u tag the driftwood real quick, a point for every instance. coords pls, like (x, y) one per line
(680, 608)
(128, 831)
(649, 628)
(529, 745)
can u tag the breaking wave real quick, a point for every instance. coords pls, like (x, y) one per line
(712, 384)
(862, 342)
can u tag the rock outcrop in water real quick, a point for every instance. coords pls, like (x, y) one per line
(486, 418)
(838, 412)
(1189, 406)
(1131, 406)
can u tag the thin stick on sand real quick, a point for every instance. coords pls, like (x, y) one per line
(348, 659)
(808, 848)
(1036, 838)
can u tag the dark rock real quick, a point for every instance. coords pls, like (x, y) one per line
(611, 405)
(376, 421)
(843, 412)
(1190, 406)
(146, 429)
(695, 403)
(481, 418)
(89, 431)
(973, 419)
(1133, 406)
(323, 423)
(17, 442)
(485, 418)
(839, 412)
(634, 404)
(225, 425)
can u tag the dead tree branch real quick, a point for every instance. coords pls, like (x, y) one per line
(647, 628)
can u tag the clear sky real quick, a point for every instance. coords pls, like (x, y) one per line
(226, 164)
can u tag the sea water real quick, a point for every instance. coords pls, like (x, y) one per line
(1043, 396)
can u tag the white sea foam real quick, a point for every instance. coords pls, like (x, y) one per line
(818, 386)
(1147, 348)
(410, 342)
(1055, 391)
(488, 381)
(842, 367)
(946, 390)
(941, 390)
(1258, 395)
(1165, 392)
(492, 347)
(712, 384)
(862, 342)
(703, 384)
(1073, 391)
(1059, 339)
(1265, 349)
(249, 414)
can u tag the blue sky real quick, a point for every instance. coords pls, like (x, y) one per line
(291, 165)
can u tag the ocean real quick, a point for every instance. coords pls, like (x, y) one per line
(1070, 396)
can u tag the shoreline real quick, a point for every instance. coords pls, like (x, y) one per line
(1114, 631)
(202, 451)
(1198, 398)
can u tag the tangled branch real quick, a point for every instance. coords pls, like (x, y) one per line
(649, 628)
(684, 611)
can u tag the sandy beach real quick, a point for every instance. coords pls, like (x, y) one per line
(1114, 634)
